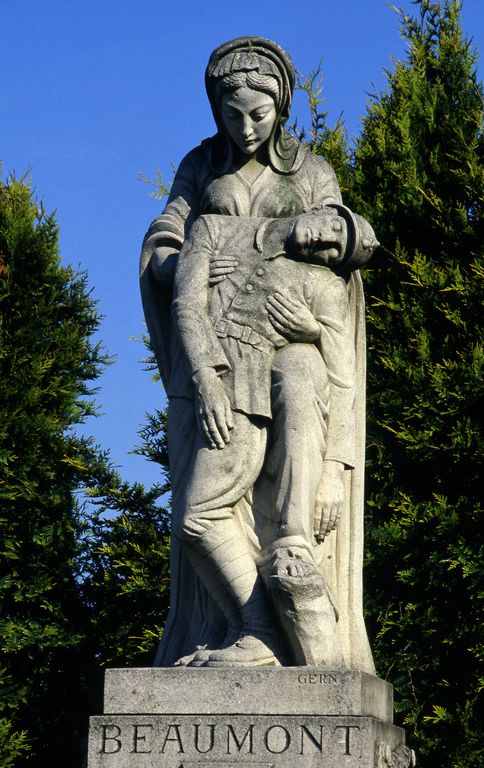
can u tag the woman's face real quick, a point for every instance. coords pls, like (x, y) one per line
(249, 117)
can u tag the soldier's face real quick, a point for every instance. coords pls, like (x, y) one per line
(249, 118)
(315, 237)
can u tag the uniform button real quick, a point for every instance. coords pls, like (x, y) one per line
(260, 272)
(249, 287)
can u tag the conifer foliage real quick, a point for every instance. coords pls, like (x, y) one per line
(419, 178)
(47, 360)
(82, 585)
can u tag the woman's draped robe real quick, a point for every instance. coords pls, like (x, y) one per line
(193, 618)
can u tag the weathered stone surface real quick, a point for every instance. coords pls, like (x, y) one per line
(259, 338)
(399, 757)
(249, 691)
(286, 717)
(176, 741)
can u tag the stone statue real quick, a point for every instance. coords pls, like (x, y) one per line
(259, 339)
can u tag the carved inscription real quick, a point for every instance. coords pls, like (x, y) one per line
(239, 741)
(204, 743)
(346, 739)
(218, 738)
(277, 739)
(110, 743)
(141, 733)
(317, 678)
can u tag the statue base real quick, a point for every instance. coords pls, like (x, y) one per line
(274, 717)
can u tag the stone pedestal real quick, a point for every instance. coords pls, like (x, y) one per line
(285, 717)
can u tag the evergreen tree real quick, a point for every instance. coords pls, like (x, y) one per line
(47, 359)
(126, 558)
(320, 138)
(416, 173)
(82, 585)
(419, 179)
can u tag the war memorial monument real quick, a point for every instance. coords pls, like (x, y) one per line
(254, 303)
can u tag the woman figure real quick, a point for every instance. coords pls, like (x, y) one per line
(252, 167)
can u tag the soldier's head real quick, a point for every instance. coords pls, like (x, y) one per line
(318, 236)
(332, 236)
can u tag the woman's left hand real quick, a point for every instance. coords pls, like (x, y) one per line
(292, 319)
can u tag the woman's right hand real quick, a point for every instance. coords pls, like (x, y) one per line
(220, 268)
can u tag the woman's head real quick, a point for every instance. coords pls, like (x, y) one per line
(250, 83)
(249, 117)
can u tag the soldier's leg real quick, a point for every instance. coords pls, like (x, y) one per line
(293, 468)
(286, 490)
(217, 546)
(210, 474)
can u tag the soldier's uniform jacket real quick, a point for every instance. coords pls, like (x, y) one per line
(227, 327)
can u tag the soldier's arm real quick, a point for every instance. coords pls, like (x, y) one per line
(190, 301)
(205, 356)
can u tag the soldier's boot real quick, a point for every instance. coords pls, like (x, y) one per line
(222, 551)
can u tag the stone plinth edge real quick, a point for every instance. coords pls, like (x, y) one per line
(248, 691)
(243, 741)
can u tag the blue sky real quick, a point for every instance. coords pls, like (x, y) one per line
(94, 92)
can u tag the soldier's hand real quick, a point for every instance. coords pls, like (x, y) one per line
(292, 319)
(329, 499)
(220, 268)
(214, 414)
